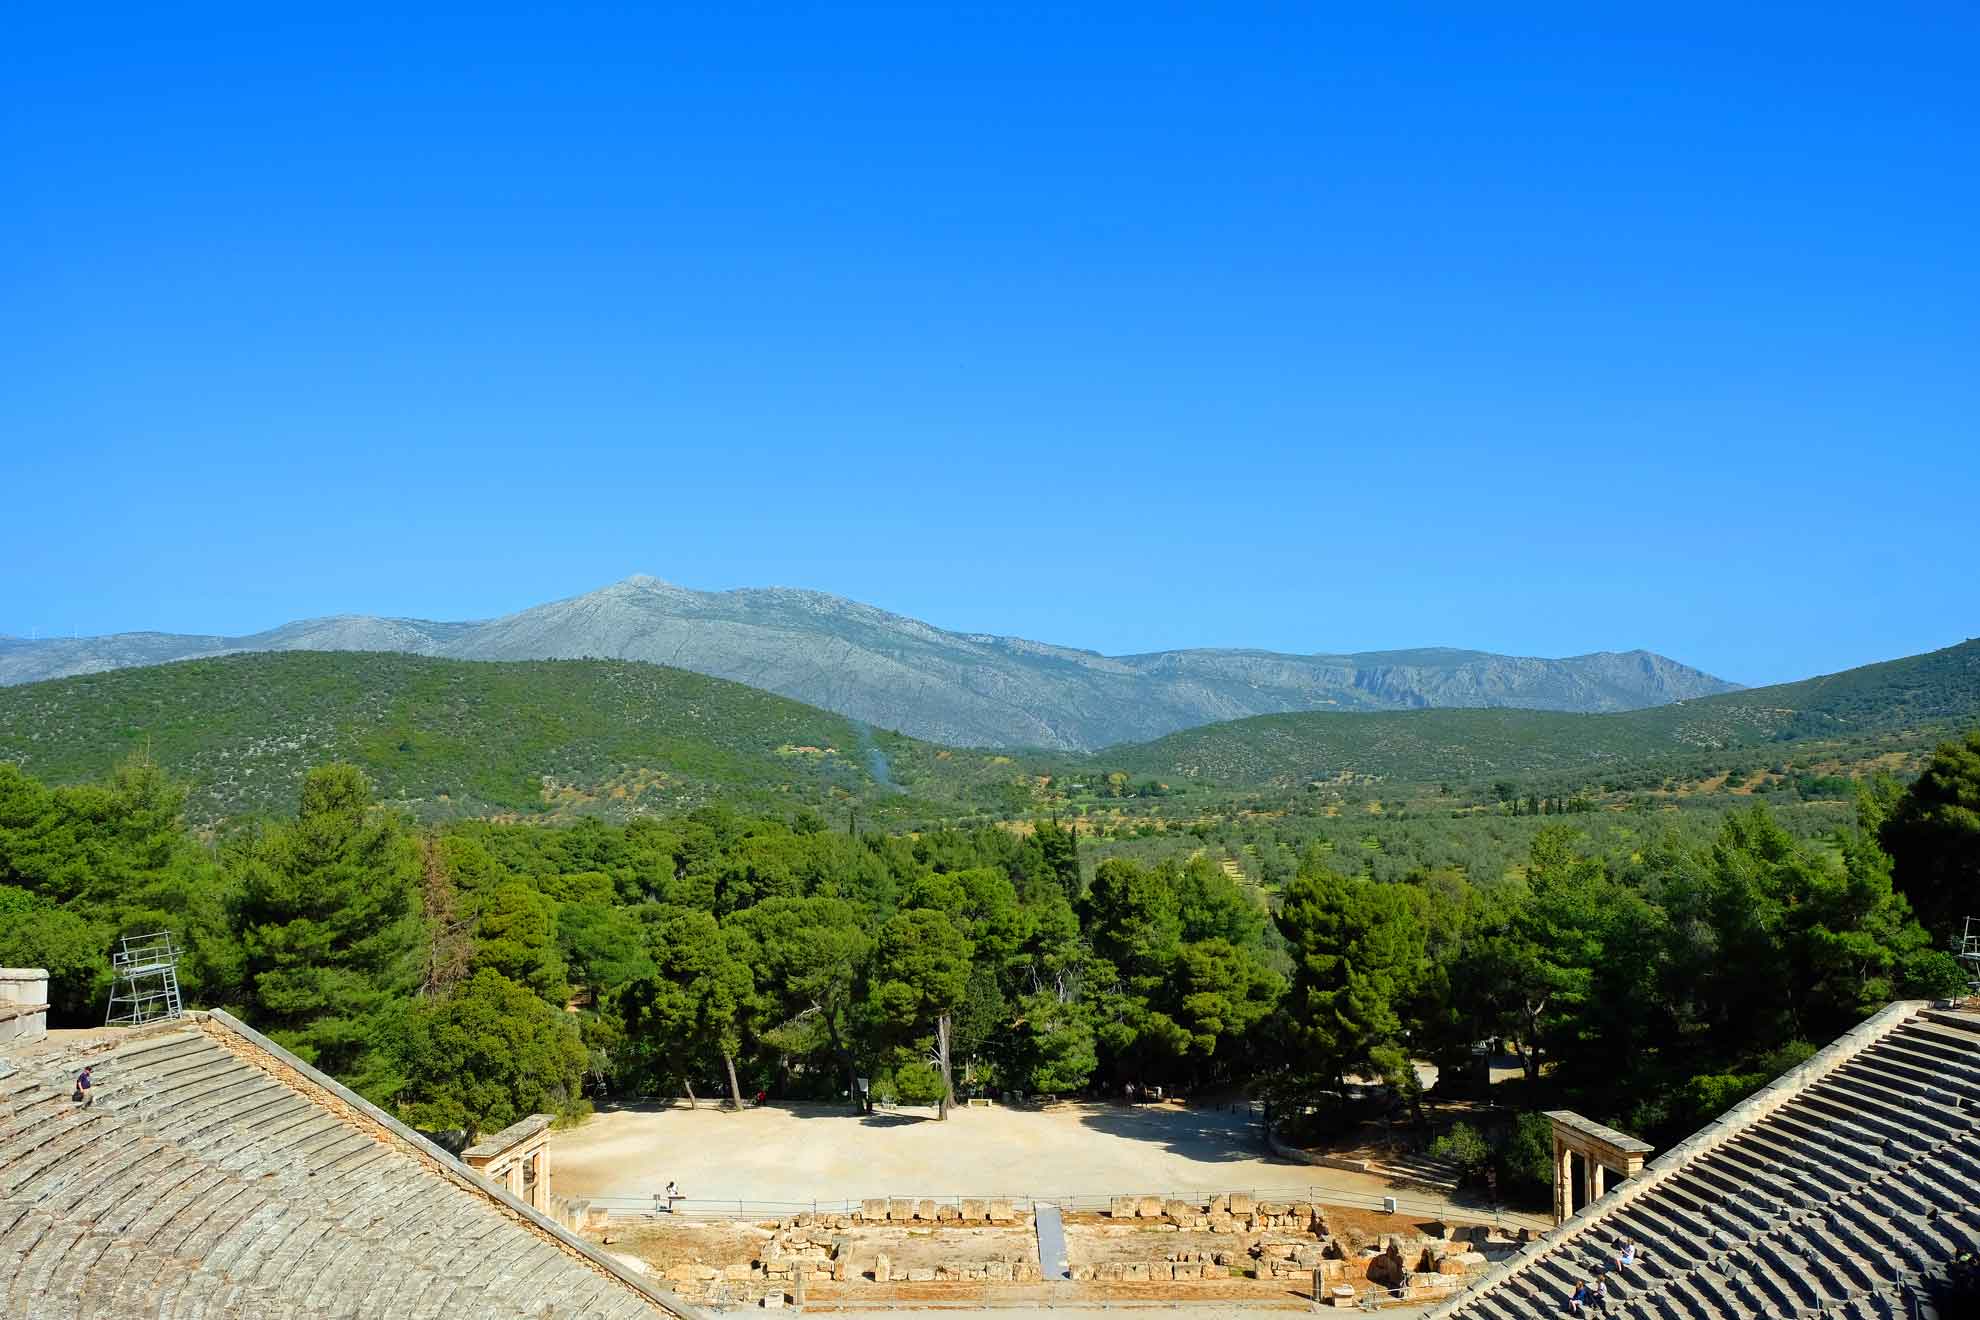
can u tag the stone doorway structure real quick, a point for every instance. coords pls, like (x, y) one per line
(518, 1159)
(1603, 1150)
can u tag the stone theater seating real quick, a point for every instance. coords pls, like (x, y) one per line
(1828, 1193)
(217, 1175)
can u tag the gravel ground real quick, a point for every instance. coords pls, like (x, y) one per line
(799, 1153)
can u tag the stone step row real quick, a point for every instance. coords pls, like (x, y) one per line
(204, 1186)
(1820, 1206)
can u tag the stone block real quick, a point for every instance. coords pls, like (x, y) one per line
(1024, 1271)
(773, 1300)
(1219, 1205)
(1149, 1207)
(684, 1273)
(975, 1210)
(1000, 1212)
(1222, 1223)
(1275, 1209)
(1123, 1207)
(947, 1213)
(924, 1209)
(873, 1211)
(740, 1272)
(883, 1268)
(921, 1275)
(998, 1271)
(900, 1210)
(1242, 1204)
(1135, 1272)
(1388, 1269)
(1211, 1270)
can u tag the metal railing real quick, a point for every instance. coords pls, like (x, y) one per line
(723, 1208)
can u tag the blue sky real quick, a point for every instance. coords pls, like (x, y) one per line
(1306, 327)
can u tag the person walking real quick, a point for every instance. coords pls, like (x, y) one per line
(83, 1084)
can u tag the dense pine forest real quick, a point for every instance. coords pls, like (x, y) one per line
(1650, 966)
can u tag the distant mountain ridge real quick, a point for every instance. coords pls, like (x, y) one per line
(894, 672)
(1937, 690)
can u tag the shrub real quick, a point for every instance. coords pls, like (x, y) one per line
(1465, 1147)
(1526, 1160)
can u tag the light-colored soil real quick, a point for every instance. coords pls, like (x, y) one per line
(1209, 1300)
(1098, 1243)
(913, 1249)
(794, 1155)
(687, 1242)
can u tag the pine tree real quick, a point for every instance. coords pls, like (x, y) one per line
(327, 908)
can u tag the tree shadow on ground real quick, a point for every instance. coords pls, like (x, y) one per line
(883, 1116)
(1213, 1138)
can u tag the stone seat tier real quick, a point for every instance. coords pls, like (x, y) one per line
(200, 1184)
(1823, 1206)
(1903, 1068)
(1932, 1108)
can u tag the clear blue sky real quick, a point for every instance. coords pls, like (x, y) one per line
(1307, 327)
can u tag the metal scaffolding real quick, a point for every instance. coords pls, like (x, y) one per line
(1968, 953)
(146, 988)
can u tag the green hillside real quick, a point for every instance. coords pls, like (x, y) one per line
(452, 737)
(1899, 702)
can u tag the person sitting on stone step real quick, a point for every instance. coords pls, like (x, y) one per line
(1578, 1299)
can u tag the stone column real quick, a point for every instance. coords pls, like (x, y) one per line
(1563, 1181)
(1599, 1172)
(515, 1180)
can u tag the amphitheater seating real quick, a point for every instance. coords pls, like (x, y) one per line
(203, 1184)
(1833, 1203)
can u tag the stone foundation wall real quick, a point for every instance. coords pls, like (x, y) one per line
(1270, 1241)
(905, 1210)
(23, 1004)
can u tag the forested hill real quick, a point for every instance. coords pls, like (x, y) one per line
(451, 737)
(1938, 689)
(963, 689)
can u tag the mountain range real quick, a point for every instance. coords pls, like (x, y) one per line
(444, 738)
(894, 672)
